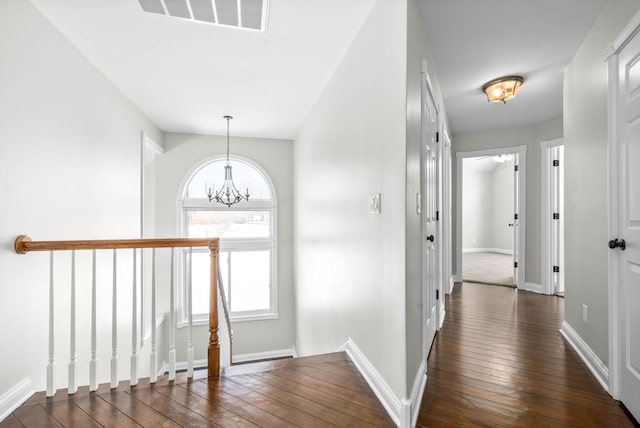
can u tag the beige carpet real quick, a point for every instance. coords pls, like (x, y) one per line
(488, 268)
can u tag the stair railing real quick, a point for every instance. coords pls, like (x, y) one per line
(23, 244)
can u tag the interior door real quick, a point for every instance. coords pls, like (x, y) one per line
(430, 262)
(625, 248)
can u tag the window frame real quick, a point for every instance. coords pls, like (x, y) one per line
(184, 205)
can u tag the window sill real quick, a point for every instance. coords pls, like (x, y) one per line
(236, 319)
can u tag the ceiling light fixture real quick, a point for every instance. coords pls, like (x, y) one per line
(502, 89)
(228, 194)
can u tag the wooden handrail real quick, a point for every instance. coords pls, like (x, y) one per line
(23, 244)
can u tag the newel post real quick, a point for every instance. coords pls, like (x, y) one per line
(214, 344)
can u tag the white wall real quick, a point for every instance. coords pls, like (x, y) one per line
(350, 264)
(585, 139)
(477, 197)
(182, 153)
(531, 136)
(69, 169)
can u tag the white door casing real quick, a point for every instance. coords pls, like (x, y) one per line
(623, 58)
(445, 214)
(519, 153)
(429, 212)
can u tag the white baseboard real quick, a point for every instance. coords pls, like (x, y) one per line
(182, 365)
(393, 405)
(533, 287)
(487, 250)
(13, 398)
(417, 392)
(266, 355)
(597, 367)
(456, 278)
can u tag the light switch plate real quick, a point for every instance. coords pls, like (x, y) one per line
(374, 203)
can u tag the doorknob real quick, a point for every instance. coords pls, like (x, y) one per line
(617, 243)
(430, 238)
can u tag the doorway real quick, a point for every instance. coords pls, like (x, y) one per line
(512, 162)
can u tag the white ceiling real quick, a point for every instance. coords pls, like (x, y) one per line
(475, 41)
(185, 75)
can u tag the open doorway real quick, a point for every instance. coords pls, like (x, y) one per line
(490, 221)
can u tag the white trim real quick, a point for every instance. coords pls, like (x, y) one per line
(595, 365)
(394, 406)
(545, 153)
(417, 392)
(13, 398)
(532, 286)
(488, 250)
(182, 366)
(625, 36)
(455, 278)
(521, 151)
(265, 355)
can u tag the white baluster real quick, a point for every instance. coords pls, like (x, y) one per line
(93, 378)
(114, 324)
(172, 322)
(190, 314)
(153, 365)
(73, 387)
(134, 324)
(52, 361)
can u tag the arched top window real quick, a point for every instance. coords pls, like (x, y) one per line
(247, 239)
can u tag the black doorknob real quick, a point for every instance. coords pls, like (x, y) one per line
(617, 243)
(430, 238)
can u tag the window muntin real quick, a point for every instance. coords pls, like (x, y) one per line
(247, 253)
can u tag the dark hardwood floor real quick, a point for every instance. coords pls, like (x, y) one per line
(321, 391)
(499, 361)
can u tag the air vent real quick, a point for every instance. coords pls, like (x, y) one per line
(247, 14)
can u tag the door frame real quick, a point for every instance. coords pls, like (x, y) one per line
(445, 215)
(547, 229)
(614, 107)
(521, 151)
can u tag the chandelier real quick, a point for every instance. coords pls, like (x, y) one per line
(228, 193)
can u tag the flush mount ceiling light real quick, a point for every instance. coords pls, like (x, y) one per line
(502, 89)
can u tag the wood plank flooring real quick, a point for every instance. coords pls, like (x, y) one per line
(499, 361)
(320, 391)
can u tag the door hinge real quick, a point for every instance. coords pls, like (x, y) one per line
(515, 264)
(515, 216)
(437, 137)
(437, 215)
(437, 294)
(556, 269)
(556, 216)
(515, 167)
(556, 162)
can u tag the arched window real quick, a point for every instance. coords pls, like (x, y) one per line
(247, 240)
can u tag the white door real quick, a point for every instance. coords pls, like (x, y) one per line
(429, 213)
(557, 218)
(625, 258)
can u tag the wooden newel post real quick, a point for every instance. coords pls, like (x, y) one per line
(214, 343)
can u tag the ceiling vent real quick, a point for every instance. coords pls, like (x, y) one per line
(247, 14)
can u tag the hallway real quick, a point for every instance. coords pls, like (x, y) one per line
(500, 361)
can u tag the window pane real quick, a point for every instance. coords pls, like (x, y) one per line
(228, 224)
(250, 273)
(200, 281)
(244, 176)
